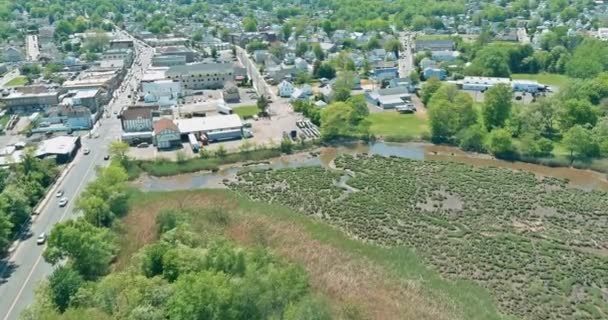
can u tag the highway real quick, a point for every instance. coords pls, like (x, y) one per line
(26, 267)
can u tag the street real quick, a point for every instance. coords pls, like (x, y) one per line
(406, 59)
(26, 267)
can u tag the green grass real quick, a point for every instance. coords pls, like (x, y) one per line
(392, 125)
(557, 80)
(246, 111)
(16, 82)
(4, 120)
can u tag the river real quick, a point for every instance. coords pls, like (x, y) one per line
(585, 179)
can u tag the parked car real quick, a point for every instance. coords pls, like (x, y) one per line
(63, 202)
(41, 239)
(106, 157)
(143, 145)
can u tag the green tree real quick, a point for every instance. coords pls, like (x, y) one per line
(325, 70)
(96, 211)
(428, 89)
(5, 231)
(575, 111)
(286, 145)
(497, 106)
(307, 309)
(97, 41)
(535, 146)
(89, 249)
(301, 48)
(250, 24)
(64, 282)
(343, 86)
(262, 104)
(395, 46)
(580, 143)
(490, 61)
(500, 143)
(318, 51)
(342, 120)
(473, 139)
(450, 111)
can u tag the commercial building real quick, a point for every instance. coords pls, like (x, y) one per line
(161, 92)
(180, 51)
(484, 83)
(166, 134)
(167, 61)
(63, 148)
(123, 54)
(30, 98)
(90, 98)
(67, 117)
(434, 45)
(136, 120)
(214, 128)
(438, 73)
(200, 76)
(390, 98)
(121, 44)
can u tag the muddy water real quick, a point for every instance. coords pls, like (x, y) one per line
(585, 179)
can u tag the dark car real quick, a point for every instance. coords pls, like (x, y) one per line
(106, 157)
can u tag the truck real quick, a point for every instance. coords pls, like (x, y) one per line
(224, 109)
(193, 142)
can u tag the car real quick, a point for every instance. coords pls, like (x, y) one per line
(143, 145)
(41, 239)
(59, 194)
(106, 157)
(63, 202)
(86, 151)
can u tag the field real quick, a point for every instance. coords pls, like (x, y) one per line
(16, 82)
(246, 111)
(397, 127)
(362, 281)
(538, 246)
(557, 80)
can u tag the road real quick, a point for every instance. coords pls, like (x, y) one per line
(406, 59)
(32, 50)
(258, 81)
(26, 267)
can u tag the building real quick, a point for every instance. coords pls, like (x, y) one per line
(121, 44)
(434, 45)
(165, 42)
(69, 117)
(390, 98)
(137, 120)
(200, 76)
(63, 148)
(30, 98)
(602, 33)
(385, 72)
(285, 89)
(302, 93)
(167, 61)
(90, 98)
(125, 55)
(402, 82)
(214, 128)
(231, 94)
(438, 73)
(484, 83)
(12, 54)
(529, 86)
(164, 93)
(181, 51)
(166, 134)
(443, 56)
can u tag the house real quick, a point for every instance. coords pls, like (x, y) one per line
(285, 89)
(301, 64)
(320, 104)
(66, 118)
(385, 71)
(231, 94)
(12, 54)
(402, 83)
(438, 73)
(302, 93)
(201, 75)
(434, 45)
(166, 134)
(442, 56)
(259, 56)
(427, 63)
(90, 98)
(125, 55)
(136, 120)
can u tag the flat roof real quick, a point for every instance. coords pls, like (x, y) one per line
(154, 74)
(209, 124)
(86, 93)
(57, 145)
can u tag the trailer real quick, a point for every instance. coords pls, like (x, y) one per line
(193, 142)
(224, 109)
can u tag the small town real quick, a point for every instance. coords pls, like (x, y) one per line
(190, 146)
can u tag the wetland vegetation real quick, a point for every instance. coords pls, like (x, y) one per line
(537, 245)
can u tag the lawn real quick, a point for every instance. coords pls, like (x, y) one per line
(16, 82)
(246, 111)
(552, 79)
(395, 126)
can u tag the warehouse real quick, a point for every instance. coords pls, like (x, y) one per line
(215, 128)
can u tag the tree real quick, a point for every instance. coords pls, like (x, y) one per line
(309, 309)
(301, 48)
(343, 86)
(221, 152)
(450, 111)
(500, 143)
(395, 46)
(580, 143)
(5, 231)
(118, 149)
(497, 106)
(286, 145)
(414, 77)
(535, 146)
(428, 89)
(96, 211)
(97, 41)
(318, 51)
(490, 61)
(419, 22)
(64, 282)
(576, 111)
(326, 70)
(88, 248)
(473, 139)
(342, 120)
(250, 24)
(262, 104)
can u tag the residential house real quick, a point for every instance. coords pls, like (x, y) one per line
(285, 89)
(385, 70)
(302, 93)
(442, 56)
(166, 134)
(301, 64)
(402, 83)
(438, 73)
(434, 45)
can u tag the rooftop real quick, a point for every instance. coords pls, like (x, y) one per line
(57, 145)
(209, 124)
(200, 67)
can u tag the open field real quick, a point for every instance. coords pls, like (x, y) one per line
(538, 246)
(557, 80)
(395, 126)
(16, 82)
(362, 281)
(246, 111)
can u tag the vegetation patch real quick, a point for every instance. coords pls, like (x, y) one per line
(533, 243)
(246, 112)
(551, 79)
(397, 127)
(17, 82)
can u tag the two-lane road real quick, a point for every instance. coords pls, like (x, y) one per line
(26, 265)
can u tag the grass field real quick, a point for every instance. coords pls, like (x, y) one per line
(363, 279)
(551, 79)
(246, 111)
(16, 82)
(537, 245)
(398, 127)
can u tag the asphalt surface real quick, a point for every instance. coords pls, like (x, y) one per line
(31, 48)
(406, 59)
(26, 267)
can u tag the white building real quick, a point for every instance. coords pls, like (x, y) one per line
(285, 89)
(162, 92)
(484, 83)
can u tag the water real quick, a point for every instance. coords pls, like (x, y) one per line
(584, 179)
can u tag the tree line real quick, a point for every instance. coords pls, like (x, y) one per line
(22, 186)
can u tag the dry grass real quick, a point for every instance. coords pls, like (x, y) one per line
(355, 286)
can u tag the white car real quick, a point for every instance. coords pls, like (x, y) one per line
(41, 239)
(59, 194)
(63, 201)
(86, 151)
